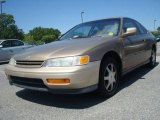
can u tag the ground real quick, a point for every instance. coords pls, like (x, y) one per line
(138, 98)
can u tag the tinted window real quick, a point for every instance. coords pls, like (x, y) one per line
(129, 23)
(6, 44)
(17, 43)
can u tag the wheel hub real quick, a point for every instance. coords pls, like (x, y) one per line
(110, 77)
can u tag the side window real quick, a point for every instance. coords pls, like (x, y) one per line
(6, 44)
(128, 23)
(17, 43)
(143, 30)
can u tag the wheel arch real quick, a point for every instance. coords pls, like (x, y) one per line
(114, 55)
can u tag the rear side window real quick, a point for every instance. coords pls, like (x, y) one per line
(129, 23)
(6, 44)
(17, 43)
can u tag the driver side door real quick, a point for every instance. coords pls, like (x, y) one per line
(134, 46)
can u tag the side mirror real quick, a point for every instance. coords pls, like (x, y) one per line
(158, 39)
(130, 31)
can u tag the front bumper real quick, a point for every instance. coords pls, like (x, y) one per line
(82, 78)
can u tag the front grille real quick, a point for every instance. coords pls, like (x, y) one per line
(29, 63)
(31, 82)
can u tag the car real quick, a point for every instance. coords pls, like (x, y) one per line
(92, 56)
(10, 47)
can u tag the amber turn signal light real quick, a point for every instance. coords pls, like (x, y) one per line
(84, 59)
(58, 81)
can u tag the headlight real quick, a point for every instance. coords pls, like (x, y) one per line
(67, 61)
(12, 61)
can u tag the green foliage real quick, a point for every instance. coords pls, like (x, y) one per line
(155, 33)
(48, 38)
(158, 29)
(41, 35)
(8, 29)
(29, 39)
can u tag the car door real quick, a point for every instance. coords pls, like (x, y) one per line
(2, 55)
(134, 46)
(5, 51)
(147, 38)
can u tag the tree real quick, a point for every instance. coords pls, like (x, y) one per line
(41, 35)
(158, 29)
(156, 33)
(8, 28)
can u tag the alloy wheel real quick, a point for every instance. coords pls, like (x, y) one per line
(110, 77)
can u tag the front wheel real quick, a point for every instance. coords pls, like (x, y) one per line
(152, 60)
(109, 77)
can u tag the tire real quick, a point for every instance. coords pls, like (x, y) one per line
(109, 77)
(152, 60)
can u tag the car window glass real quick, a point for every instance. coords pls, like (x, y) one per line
(128, 23)
(142, 29)
(17, 43)
(109, 29)
(6, 44)
(101, 28)
(83, 31)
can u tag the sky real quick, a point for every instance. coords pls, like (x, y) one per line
(65, 14)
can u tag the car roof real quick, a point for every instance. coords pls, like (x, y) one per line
(108, 19)
(103, 19)
(1, 40)
(7, 39)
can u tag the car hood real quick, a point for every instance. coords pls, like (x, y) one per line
(63, 48)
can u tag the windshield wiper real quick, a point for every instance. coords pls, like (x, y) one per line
(104, 35)
(76, 36)
(97, 36)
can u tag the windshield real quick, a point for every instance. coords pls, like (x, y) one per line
(100, 28)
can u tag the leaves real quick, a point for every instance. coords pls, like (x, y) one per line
(156, 33)
(8, 29)
(41, 35)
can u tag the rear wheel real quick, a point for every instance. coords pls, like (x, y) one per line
(109, 77)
